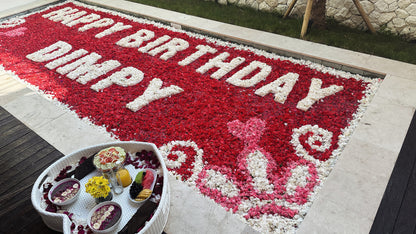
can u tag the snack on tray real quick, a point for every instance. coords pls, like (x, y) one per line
(123, 176)
(148, 180)
(141, 188)
(65, 191)
(105, 217)
(109, 158)
(139, 177)
(145, 193)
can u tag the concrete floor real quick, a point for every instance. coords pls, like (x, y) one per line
(349, 198)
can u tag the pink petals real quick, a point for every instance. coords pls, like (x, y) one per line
(15, 32)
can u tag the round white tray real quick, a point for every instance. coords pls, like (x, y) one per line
(61, 222)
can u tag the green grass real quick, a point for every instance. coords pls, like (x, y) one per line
(382, 44)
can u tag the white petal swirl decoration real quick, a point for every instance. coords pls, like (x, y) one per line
(318, 135)
(167, 149)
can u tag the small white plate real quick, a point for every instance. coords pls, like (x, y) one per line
(151, 187)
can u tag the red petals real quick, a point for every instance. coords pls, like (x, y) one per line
(224, 122)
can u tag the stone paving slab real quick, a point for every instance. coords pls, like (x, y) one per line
(8, 7)
(349, 198)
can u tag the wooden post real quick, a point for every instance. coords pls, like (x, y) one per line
(363, 14)
(292, 4)
(306, 18)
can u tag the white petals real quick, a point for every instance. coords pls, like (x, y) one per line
(97, 24)
(218, 181)
(152, 93)
(85, 19)
(136, 39)
(257, 166)
(13, 22)
(167, 149)
(324, 137)
(115, 28)
(173, 46)
(201, 50)
(65, 59)
(275, 87)
(298, 178)
(86, 69)
(316, 93)
(218, 62)
(126, 77)
(237, 78)
(48, 53)
(154, 43)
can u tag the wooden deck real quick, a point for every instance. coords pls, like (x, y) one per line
(24, 155)
(397, 211)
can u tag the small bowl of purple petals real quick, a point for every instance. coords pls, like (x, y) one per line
(104, 217)
(64, 192)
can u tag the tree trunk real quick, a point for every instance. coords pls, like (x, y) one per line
(318, 14)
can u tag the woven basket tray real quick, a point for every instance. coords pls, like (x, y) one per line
(61, 222)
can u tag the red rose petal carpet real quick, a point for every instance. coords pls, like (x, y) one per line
(256, 132)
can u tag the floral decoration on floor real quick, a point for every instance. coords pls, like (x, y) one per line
(256, 132)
